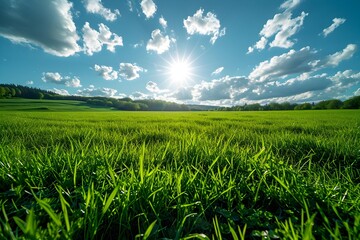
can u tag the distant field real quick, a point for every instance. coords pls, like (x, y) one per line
(22, 104)
(179, 175)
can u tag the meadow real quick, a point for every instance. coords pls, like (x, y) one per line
(180, 175)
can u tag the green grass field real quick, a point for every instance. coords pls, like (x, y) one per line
(180, 175)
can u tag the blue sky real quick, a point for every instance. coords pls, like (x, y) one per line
(204, 51)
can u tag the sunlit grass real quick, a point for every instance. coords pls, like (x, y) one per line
(203, 175)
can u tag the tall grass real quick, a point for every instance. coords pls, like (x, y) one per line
(205, 175)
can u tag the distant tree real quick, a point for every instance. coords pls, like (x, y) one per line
(334, 104)
(304, 106)
(352, 103)
(2, 91)
(12, 92)
(40, 95)
(18, 92)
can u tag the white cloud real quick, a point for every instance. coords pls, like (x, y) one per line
(347, 78)
(158, 43)
(45, 24)
(106, 72)
(282, 27)
(217, 71)
(336, 23)
(96, 7)
(204, 25)
(260, 45)
(163, 22)
(97, 92)
(219, 89)
(29, 82)
(60, 91)
(290, 4)
(94, 40)
(298, 62)
(152, 87)
(148, 7)
(72, 82)
(336, 58)
(182, 94)
(288, 63)
(357, 92)
(55, 77)
(130, 71)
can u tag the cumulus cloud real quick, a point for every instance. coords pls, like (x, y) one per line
(106, 72)
(96, 7)
(55, 77)
(148, 7)
(297, 62)
(336, 23)
(282, 26)
(288, 63)
(94, 40)
(204, 25)
(163, 22)
(218, 89)
(97, 92)
(130, 71)
(288, 88)
(346, 79)
(336, 58)
(217, 71)
(29, 82)
(182, 94)
(152, 87)
(60, 91)
(158, 43)
(45, 24)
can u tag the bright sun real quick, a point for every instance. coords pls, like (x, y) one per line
(180, 71)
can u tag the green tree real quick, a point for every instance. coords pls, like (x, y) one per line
(2, 91)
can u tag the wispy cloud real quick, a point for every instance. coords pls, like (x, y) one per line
(282, 27)
(217, 71)
(163, 22)
(336, 23)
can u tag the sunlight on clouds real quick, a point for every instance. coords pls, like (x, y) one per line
(148, 7)
(27, 22)
(158, 43)
(204, 25)
(106, 72)
(282, 27)
(96, 7)
(94, 40)
(129, 71)
(55, 77)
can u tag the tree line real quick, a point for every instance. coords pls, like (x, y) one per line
(19, 91)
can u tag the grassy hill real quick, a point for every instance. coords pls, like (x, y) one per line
(22, 104)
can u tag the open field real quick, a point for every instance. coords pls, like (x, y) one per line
(177, 175)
